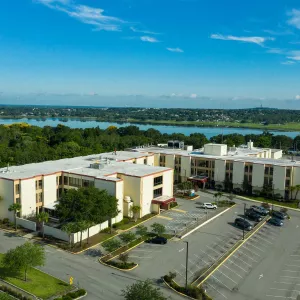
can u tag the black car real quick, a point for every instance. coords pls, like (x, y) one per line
(276, 222)
(252, 215)
(158, 240)
(279, 215)
(239, 222)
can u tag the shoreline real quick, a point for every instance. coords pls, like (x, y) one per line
(162, 123)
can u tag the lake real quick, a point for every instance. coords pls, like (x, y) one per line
(186, 130)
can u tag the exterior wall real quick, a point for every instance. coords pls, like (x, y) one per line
(296, 180)
(49, 192)
(7, 193)
(156, 159)
(155, 208)
(238, 172)
(185, 167)
(147, 187)
(168, 183)
(279, 179)
(215, 149)
(151, 160)
(93, 231)
(26, 224)
(258, 176)
(57, 233)
(220, 166)
(277, 154)
(170, 161)
(140, 161)
(28, 197)
(115, 189)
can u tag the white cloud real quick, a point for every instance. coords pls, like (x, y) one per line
(275, 51)
(149, 39)
(175, 50)
(283, 32)
(193, 96)
(142, 31)
(251, 39)
(297, 97)
(294, 18)
(294, 55)
(85, 14)
(288, 62)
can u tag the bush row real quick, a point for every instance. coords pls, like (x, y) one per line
(13, 293)
(121, 265)
(72, 295)
(173, 204)
(191, 291)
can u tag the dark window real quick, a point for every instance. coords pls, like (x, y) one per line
(66, 180)
(18, 200)
(157, 193)
(74, 182)
(87, 183)
(271, 170)
(17, 188)
(267, 170)
(266, 180)
(288, 173)
(145, 161)
(251, 168)
(59, 180)
(287, 183)
(158, 180)
(250, 179)
(39, 184)
(213, 164)
(246, 169)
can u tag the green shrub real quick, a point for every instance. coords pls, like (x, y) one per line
(121, 265)
(173, 204)
(5, 221)
(106, 230)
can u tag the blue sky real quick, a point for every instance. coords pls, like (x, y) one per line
(165, 50)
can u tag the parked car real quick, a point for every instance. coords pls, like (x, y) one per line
(275, 221)
(158, 240)
(260, 210)
(279, 215)
(209, 206)
(243, 224)
(252, 215)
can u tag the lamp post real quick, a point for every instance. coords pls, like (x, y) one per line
(186, 264)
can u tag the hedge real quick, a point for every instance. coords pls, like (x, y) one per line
(72, 295)
(13, 293)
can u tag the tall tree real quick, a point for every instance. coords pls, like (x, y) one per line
(24, 257)
(158, 228)
(69, 228)
(16, 207)
(135, 209)
(43, 218)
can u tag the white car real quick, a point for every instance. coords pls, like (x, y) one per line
(209, 206)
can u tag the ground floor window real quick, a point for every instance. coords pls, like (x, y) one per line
(157, 193)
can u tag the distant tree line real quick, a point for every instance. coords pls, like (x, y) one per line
(123, 114)
(22, 144)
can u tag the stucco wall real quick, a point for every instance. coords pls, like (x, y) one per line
(57, 233)
(238, 172)
(49, 192)
(7, 193)
(168, 183)
(156, 159)
(185, 167)
(147, 194)
(279, 178)
(28, 197)
(170, 161)
(26, 224)
(150, 160)
(219, 170)
(132, 188)
(258, 176)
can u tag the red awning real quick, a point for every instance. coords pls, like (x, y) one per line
(163, 200)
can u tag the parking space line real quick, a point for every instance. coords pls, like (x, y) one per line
(179, 210)
(290, 277)
(221, 282)
(237, 265)
(259, 237)
(286, 283)
(201, 259)
(188, 269)
(251, 251)
(242, 260)
(164, 217)
(290, 271)
(280, 297)
(208, 255)
(294, 255)
(216, 290)
(179, 273)
(292, 266)
(214, 250)
(141, 250)
(284, 290)
(236, 273)
(257, 248)
(226, 276)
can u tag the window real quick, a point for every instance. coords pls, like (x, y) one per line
(66, 179)
(271, 170)
(58, 180)
(177, 160)
(201, 163)
(18, 200)
(158, 180)
(193, 162)
(157, 193)
(266, 180)
(75, 182)
(250, 179)
(288, 173)
(213, 164)
(145, 161)
(287, 183)
(87, 183)
(17, 188)
(246, 169)
(267, 170)
(39, 184)
(39, 197)
(251, 168)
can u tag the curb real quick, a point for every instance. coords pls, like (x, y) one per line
(206, 222)
(177, 291)
(238, 247)
(257, 201)
(124, 270)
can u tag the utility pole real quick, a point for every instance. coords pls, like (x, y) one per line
(186, 264)
(244, 220)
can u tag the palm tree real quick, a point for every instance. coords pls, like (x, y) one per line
(218, 196)
(81, 226)
(16, 207)
(43, 218)
(69, 228)
(292, 189)
(135, 210)
(297, 188)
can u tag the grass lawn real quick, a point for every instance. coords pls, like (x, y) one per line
(282, 203)
(132, 223)
(4, 296)
(40, 284)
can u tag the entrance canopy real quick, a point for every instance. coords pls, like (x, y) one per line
(163, 200)
(50, 206)
(198, 178)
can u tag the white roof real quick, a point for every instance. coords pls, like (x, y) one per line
(81, 165)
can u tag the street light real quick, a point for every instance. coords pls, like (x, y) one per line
(186, 264)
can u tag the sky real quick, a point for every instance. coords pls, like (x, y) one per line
(160, 53)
